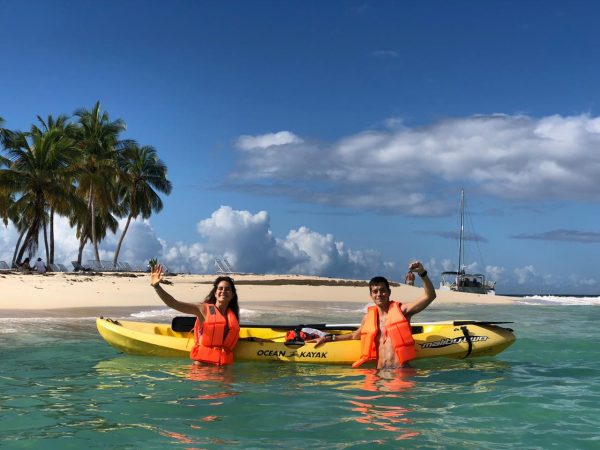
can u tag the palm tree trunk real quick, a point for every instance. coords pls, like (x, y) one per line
(121, 240)
(94, 240)
(14, 260)
(82, 240)
(51, 257)
(44, 227)
(25, 245)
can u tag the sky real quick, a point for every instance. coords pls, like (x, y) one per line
(334, 138)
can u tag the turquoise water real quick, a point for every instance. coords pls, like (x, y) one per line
(61, 386)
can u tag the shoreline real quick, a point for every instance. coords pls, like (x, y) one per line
(54, 293)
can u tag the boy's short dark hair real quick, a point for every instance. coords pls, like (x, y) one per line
(379, 280)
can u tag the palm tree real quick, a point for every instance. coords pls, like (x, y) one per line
(98, 139)
(62, 205)
(6, 197)
(4, 133)
(6, 201)
(38, 161)
(81, 220)
(8, 211)
(141, 174)
(12, 211)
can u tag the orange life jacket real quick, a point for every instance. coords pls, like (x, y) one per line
(397, 329)
(212, 344)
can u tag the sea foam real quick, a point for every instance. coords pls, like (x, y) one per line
(560, 300)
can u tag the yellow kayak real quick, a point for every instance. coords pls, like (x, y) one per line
(452, 339)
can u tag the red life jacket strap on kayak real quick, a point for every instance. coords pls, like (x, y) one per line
(298, 336)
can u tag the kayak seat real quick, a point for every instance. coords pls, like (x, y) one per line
(183, 324)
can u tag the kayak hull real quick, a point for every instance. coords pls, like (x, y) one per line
(452, 339)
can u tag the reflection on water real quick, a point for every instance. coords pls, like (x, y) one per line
(222, 379)
(295, 397)
(381, 388)
(388, 380)
(365, 405)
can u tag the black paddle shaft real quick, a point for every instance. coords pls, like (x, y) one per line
(186, 323)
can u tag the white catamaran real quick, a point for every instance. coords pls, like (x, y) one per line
(461, 281)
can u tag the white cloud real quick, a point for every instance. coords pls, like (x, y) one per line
(323, 255)
(8, 240)
(248, 243)
(268, 140)
(524, 274)
(193, 258)
(494, 272)
(448, 265)
(587, 282)
(66, 244)
(140, 244)
(245, 239)
(511, 157)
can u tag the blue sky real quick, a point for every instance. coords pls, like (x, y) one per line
(333, 138)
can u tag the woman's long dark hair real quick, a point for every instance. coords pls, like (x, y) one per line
(233, 303)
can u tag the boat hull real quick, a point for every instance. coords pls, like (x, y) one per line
(453, 339)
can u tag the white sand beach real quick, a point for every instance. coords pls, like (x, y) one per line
(77, 290)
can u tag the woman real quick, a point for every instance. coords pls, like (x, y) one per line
(217, 326)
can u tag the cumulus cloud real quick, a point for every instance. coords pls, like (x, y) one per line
(8, 240)
(267, 140)
(65, 242)
(325, 256)
(506, 156)
(447, 265)
(494, 273)
(140, 244)
(586, 282)
(524, 274)
(247, 241)
(244, 238)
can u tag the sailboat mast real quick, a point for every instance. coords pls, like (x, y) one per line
(462, 230)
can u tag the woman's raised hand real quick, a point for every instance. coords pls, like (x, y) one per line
(156, 273)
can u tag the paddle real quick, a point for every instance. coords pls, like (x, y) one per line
(186, 323)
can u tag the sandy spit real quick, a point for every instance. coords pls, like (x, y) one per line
(26, 292)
